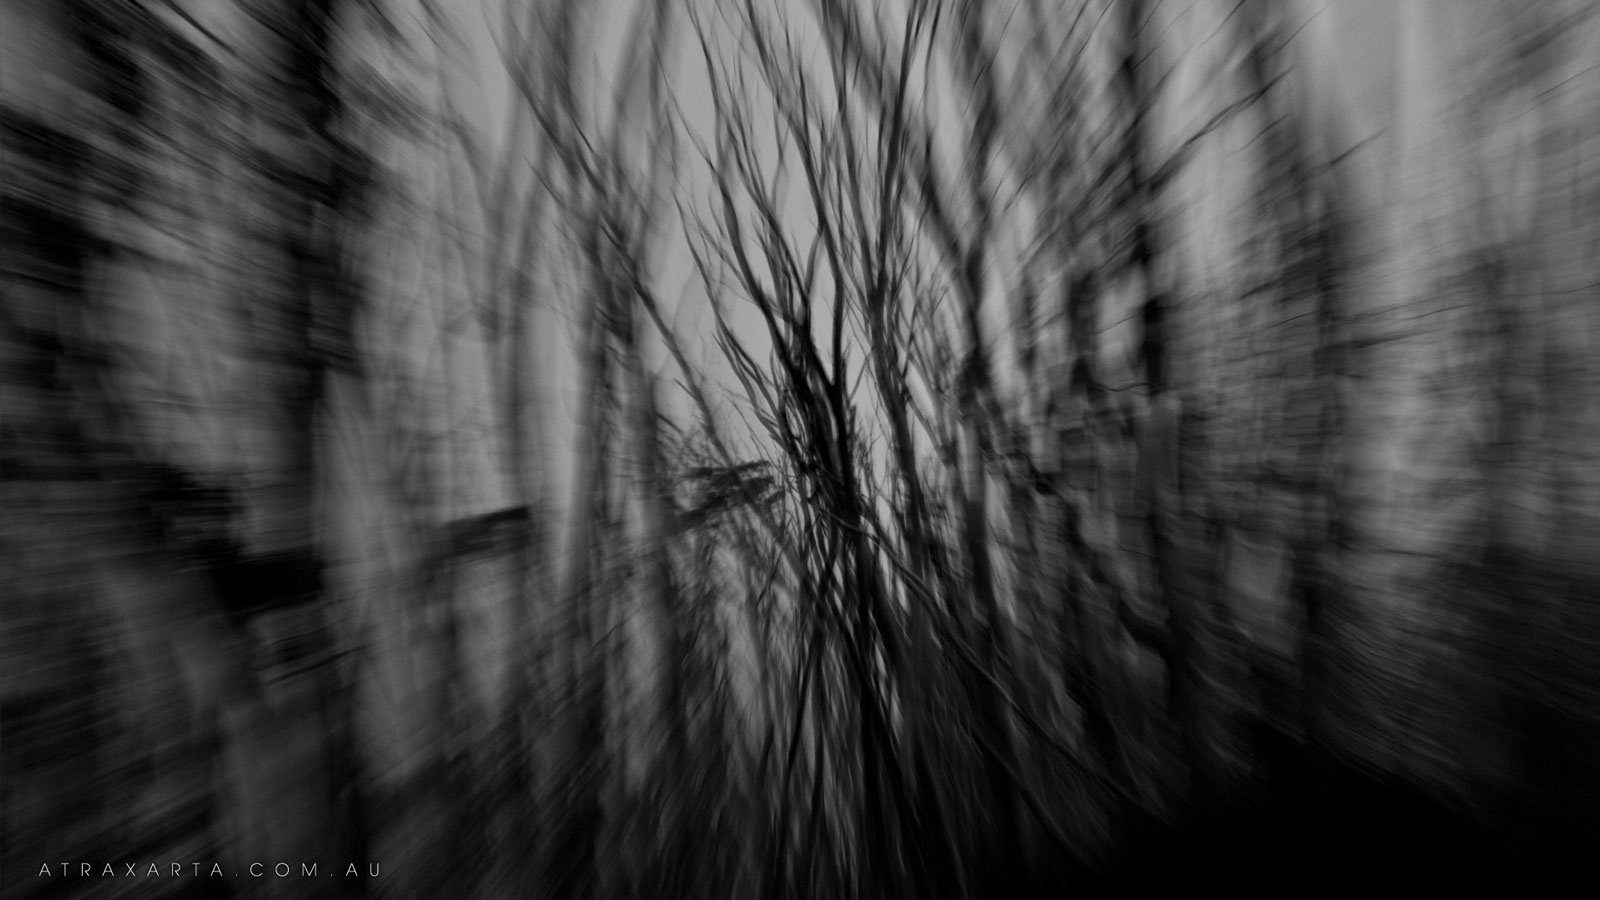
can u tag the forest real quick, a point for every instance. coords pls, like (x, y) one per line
(600, 449)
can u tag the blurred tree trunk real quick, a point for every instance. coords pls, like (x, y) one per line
(1310, 470)
(661, 741)
(318, 192)
(1158, 440)
(966, 255)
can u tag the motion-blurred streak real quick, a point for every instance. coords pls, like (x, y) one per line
(833, 449)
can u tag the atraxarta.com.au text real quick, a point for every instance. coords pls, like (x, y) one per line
(205, 870)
